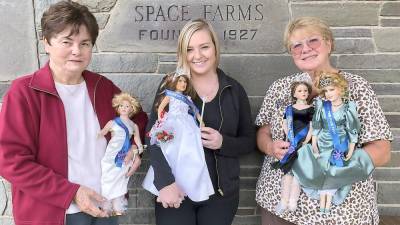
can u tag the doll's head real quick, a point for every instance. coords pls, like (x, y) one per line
(298, 88)
(124, 100)
(178, 80)
(332, 81)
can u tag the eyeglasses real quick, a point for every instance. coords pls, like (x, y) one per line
(297, 47)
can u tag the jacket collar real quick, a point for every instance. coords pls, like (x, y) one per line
(223, 79)
(42, 80)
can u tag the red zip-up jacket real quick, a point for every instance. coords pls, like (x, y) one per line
(33, 144)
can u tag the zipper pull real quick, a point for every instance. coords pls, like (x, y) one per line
(220, 192)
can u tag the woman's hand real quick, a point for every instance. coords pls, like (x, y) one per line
(279, 148)
(211, 138)
(171, 196)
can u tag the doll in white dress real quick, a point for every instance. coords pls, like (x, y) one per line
(119, 153)
(178, 135)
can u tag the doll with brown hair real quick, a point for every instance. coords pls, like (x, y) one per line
(296, 125)
(327, 170)
(120, 153)
(178, 135)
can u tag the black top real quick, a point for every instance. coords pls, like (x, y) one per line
(301, 118)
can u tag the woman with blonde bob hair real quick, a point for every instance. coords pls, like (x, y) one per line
(310, 42)
(228, 133)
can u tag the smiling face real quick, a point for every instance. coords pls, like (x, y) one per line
(301, 92)
(69, 54)
(310, 52)
(201, 53)
(181, 84)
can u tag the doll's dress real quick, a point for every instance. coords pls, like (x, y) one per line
(114, 183)
(184, 153)
(318, 173)
(301, 119)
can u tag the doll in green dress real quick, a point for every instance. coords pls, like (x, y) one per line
(329, 165)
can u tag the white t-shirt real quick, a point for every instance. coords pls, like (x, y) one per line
(85, 149)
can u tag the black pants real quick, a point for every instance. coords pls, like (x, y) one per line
(217, 210)
(86, 219)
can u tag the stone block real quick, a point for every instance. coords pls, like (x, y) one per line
(390, 22)
(353, 46)
(388, 193)
(99, 5)
(154, 26)
(142, 86)
(166, 67)
(247, 198)
(367, 13)
(394, 122)
(255, 105)
(247, 220)
(248, 183)
(138, 216)
(394, 159)
(145, 199)
(256, 73)
(386, 88)
(167, 58)
(376, 76)
(396, 140)
(144, 166)
(386, 174)
(340, 32)
(253, 159)
(18, 39)
(245, 211)
(132, 201)
(102, 19)
(388, 210)
(136, 180)
(40, 7)
(3, 89)
(387, 39)
(124, 63)
(249, 171)
(381, 61)
(390, 9)
(389, 103)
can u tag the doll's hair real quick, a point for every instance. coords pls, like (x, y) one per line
(133, 101)
(325, 79)
(294, 86)
(170, 82)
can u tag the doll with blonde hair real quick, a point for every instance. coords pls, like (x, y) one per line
(120, 153)
(327, 166)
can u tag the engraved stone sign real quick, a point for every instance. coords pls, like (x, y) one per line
(154, 26)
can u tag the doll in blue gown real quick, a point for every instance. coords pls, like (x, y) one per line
(331, 163)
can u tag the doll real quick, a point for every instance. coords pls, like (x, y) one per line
(119, 152)
(296, 125)
(182, 148)
(335, 134)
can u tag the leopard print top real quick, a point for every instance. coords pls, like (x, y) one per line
(360, 206)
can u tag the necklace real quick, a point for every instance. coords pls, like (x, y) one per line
(301, 102)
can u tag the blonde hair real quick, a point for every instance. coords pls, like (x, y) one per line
(133, 101)
(311, 23)
(184, 38)
(332, 79)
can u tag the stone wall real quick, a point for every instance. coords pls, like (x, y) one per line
(129, 52)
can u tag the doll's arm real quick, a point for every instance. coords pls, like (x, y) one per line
(285, 126)
(350, 152)
(162, 105)
(136, 137)
(309, 135)
(106, 129)
(314, 141)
